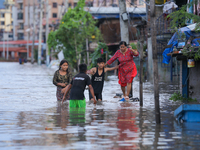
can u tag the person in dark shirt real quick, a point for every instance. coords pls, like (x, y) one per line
(77, 86)
(98, 78)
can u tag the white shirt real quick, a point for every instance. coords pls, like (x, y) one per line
(168, 7)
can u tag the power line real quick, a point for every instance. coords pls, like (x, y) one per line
(135, 6)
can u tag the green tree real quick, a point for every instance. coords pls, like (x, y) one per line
(76, 25)
(180, 17)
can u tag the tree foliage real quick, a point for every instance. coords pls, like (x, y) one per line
(97, 54)
(180, 17)
(76, 25)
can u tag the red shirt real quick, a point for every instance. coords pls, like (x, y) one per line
(127, 69)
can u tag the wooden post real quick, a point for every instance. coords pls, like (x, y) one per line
(106, 61)
(155, 61)
(141, 68)
(87, 51)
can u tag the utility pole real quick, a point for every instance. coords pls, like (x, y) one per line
(141, 65)
(4, 56)
(40, 33)
(66, 5)
(33, 42)
(155, 60)
(28, 21)
(7, 54)
(123, 23)
(124, 26)
(47, 32)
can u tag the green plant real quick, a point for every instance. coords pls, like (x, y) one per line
(188, 50)
(97, 53)
(197, 54)
(76, 26)
(134, 46)
(180, 17)
(179, 97)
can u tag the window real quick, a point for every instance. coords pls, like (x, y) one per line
(11, 22)
(2, 15)
(10, 35)
(69, 4)
(2, 23)
(20, 16)
(54, 15)
(54, 5)
(20, 5)
(20, 36)
(21, 26)
(75, 4)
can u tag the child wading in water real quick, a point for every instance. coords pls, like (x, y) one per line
(77, 86)
(62, 77)
(98, 79)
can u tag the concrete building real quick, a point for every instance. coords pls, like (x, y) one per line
(6, 21)
(23, 17)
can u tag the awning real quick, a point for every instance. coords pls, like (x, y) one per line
(113, 12)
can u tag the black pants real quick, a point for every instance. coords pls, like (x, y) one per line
(97, 95)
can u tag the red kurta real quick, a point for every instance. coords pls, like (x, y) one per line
(127, 69)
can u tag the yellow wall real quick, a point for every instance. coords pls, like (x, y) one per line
(7, 18)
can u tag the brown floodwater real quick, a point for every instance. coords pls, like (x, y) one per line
(31, 118)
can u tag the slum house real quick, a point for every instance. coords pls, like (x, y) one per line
(184, 51)
(109, 23)
(166, 72)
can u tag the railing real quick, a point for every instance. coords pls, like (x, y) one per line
(164, 34)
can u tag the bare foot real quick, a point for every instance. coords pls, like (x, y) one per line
(126, 98)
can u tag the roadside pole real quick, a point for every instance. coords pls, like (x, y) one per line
(28, 24)
(4, 55)
(123, 22)
(155, 61)
(141, 65)
(124, 26)
(40, 34)
(66, 5)
(33, 42)
(47, 32)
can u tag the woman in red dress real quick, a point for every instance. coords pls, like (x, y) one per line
(127, 69)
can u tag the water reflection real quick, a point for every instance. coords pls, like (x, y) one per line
(29, 119)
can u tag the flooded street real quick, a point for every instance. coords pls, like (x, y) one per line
(31, 118)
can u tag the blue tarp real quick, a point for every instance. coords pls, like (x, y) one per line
(174, 42)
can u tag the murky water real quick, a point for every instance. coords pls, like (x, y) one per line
(30, 117)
